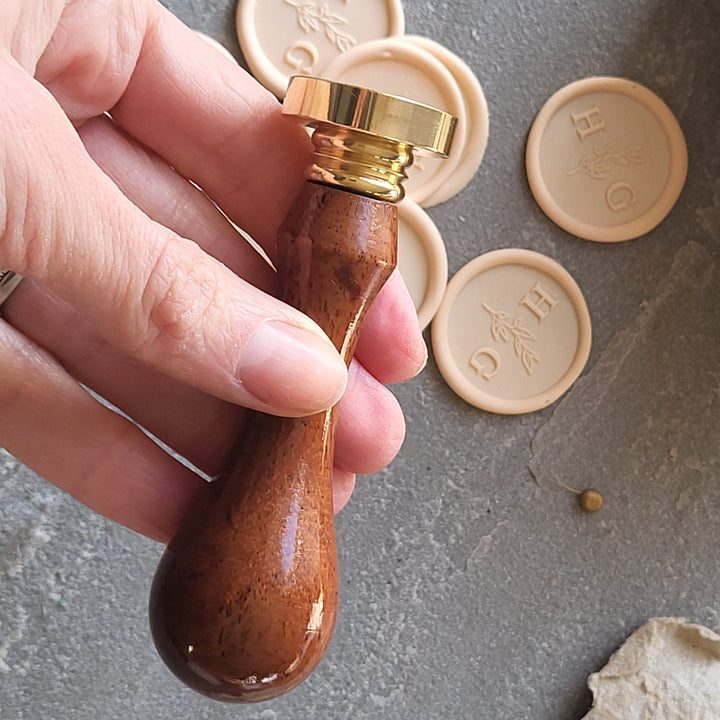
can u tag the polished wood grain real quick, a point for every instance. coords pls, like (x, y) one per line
(245, 598)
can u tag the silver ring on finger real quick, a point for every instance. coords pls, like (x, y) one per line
(9, 280)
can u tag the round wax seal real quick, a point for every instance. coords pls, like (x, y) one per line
(422, 259)
(471, 135)
(512, 332)
(606, 159)
(395, 67)
(281, 38)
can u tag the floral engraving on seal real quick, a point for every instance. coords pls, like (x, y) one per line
(502, 329)
(602, 159)
(313, 17)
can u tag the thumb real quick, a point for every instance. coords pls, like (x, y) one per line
(155, 295)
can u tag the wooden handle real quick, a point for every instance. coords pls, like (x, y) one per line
(244, 601)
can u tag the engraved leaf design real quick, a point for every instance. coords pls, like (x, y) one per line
(344, 42)
(517, 346)
(502, 329)
(602, 168)
(599, 163)
(527, 358)
(498, 326)
(314, 18)
(636, 155)
(330, 18)
(308, 23)
(305, 17)
(520, 331)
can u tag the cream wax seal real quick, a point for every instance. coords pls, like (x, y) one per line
(512, 333)
(282, 38)
(421, 260)
(472, 132)
(606, 159)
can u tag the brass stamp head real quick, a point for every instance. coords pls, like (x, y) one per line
(364, 140)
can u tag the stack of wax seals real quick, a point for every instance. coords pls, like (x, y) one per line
(363, 44)
(425, 71)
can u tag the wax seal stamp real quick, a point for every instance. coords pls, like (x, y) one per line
(394, 66)
(245, 597)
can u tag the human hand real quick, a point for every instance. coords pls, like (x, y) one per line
(132, 284)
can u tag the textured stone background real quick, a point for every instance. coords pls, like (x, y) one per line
(472, 586)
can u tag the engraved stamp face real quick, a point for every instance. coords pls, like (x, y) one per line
(281, 38)
(606, 159)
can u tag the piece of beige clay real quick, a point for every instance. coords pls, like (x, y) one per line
(282, 38)
(667, 670)
(606, 159)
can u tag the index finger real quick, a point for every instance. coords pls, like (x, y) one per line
(214, 124)
(204, 114)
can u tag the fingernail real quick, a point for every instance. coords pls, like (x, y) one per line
(292, 370)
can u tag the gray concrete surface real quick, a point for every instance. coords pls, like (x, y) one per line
(472, 586)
